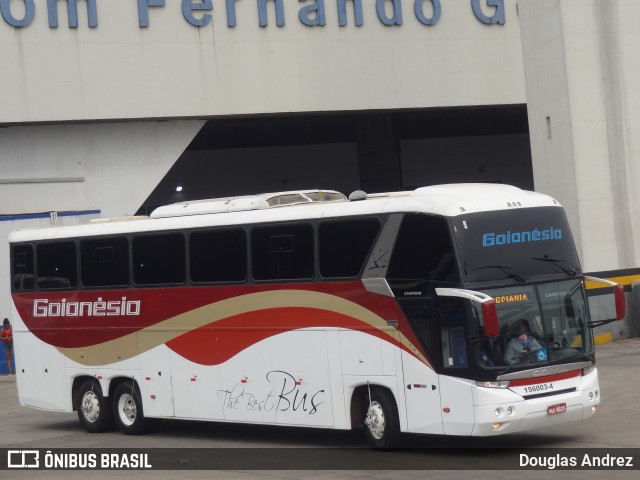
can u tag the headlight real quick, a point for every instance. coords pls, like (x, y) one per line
(488, 384)
(588, 370)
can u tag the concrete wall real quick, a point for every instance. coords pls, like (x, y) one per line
(119, 69)
(581, 70)
(112, 167)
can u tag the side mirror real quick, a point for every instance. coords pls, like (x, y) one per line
(619, 300)
(487, 304)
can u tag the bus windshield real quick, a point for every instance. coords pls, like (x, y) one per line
(540, 324)
(515, 245)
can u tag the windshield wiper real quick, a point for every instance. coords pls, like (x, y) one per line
(511, 365)
(515, 362)
(569, 270)
(502, 269)
(579, 355)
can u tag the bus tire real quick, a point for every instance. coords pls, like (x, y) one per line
(127, 409)
(381, 422)
(94, 410)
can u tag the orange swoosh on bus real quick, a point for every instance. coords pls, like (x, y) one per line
(245, 320)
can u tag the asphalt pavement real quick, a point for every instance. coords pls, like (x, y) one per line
(615, 428)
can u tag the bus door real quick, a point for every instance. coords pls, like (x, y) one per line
(442, 402)
(423, 257)
(456, 393)
(421, 382)
(422, 397)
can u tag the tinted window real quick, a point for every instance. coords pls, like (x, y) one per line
(282, 252)
(104, 262)
(344, 246)
(159, 259)
(23, 268)
(57, 265)
(423, 250)
(218, 256)
(520, 242)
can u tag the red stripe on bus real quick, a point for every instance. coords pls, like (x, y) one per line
(161, 304)
(546, 379)
(239, 332)
(158, 305)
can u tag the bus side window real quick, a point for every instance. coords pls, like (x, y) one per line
(57, 265)
(344, 246)
(23, 268)
(104, 262)
(282, 252)
(218, 256)
(159, 259)
(423, 251)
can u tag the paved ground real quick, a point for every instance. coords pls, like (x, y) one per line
(616, 426)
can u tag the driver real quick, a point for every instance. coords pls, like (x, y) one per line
(522, 343)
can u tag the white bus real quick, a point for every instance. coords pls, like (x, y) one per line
(453, 309)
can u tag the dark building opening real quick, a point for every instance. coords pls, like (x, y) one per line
(372, 151)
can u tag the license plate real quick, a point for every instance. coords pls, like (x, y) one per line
(555, 409)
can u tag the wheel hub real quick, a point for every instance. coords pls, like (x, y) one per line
(375, 420)
(127, 409)
(90, 406)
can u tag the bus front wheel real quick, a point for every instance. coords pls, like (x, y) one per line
(93, 409)
(382, 426)
(127, 405)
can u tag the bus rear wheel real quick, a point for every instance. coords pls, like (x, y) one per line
(93, 409)
(382, 425)
(127, 407)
